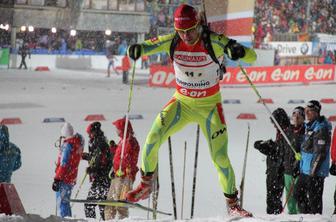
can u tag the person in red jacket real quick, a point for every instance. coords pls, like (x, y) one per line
(333, 162)
(124, 169)
(70, 153)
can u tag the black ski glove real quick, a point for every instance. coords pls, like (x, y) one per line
(332, 169)
(257, 144)
(86, 156)
(134, 51)
(234, 50)
(56, 185)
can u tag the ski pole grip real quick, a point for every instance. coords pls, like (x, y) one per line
(297, 156)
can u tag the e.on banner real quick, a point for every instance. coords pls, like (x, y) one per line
(163, 76)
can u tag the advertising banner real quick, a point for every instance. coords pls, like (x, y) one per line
(4, 58)
(163, 76)
(292, 48)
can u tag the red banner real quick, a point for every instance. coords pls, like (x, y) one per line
(163, 76)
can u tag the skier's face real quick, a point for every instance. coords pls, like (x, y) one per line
(190, 36)
(311, 114)
(297, 119)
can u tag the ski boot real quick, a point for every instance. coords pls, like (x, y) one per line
(143, 190)
(234, 209)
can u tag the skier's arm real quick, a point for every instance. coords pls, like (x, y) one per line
(61, 169)
(321, 148)
(150, 47)
(18, 162)
(221, 44)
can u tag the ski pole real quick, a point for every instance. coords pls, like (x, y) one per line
(195, 172)
(119, 172)
(242, 183)
(184, 166)
(156, 192)
(172, 177)
(80, 185)
(291, 189)
(297, 155)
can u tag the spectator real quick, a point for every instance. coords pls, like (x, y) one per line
(123, 180)
(122, 49)
(10, 156)
(24, 51)
(100, 163)
(314, 165)
(291, 165)
(333, 163)
(111, 58)
(275, 153)
(70, 153)
(125, 67)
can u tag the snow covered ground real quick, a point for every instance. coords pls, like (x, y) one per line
(33, 96)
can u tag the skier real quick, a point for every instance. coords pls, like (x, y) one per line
(333, 163)
(70, 153)
(314, 165)
(10, 156)
(275, 152)
(24, 51)
(291, 165)
(197, 98)
(100, 162)
(123, 181)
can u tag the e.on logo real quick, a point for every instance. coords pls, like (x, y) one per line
(285, 75)
(162, 78)
(319, 74)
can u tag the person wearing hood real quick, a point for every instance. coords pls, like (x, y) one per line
(315, 157)
(124, 168)
(70, 152)
(276, 155)
(100, 163)
(10, 156)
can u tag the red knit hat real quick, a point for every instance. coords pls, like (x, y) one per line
(185, 17)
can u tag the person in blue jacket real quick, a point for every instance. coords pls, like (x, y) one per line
(10, 156)
(314, 164)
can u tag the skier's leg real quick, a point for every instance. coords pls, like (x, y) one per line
(291, 204)
(110, 212)
(212, 123)
(214, 129)
(65, 193)
(103, 189)
(171, 119)
(125, 186)
(90, 209)
(316, 194)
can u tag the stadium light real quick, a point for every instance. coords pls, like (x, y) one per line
(23, 28)
(72, 32)
(30, 28)
(108, 32)
(53, 30)
(5, 27)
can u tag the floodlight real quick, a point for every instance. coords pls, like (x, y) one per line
(72, 32)
(53, 30)
(108, 32)
(23, 28)
(30, 28)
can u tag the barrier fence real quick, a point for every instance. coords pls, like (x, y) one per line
(163, 76)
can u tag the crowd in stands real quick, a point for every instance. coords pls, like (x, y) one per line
(289, 16)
